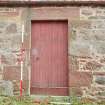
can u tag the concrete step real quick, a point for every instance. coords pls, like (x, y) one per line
(60, 99)
(63, 100)
(60, 103)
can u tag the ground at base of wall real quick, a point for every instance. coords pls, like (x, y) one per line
(86, 101)
(16, 100)
(5, 100)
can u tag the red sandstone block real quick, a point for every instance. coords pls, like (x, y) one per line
(76, 91)
(11, 73)
(99, 73)
(14, 72)
(80, 79)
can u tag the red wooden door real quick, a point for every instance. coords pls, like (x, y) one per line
(49, 74)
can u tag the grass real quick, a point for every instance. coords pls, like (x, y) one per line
(4, 100)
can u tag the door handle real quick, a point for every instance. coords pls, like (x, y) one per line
(37, 58)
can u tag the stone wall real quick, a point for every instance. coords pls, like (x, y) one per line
(11, 20)
(86, 47)
(87, 52)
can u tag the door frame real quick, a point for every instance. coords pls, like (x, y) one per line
(50, 14)
(34, 13)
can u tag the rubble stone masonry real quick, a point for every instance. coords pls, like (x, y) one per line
(86, 47)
